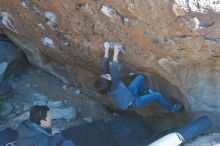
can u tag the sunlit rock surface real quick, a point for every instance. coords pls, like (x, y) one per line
(176, 43)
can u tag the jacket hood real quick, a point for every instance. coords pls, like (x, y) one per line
(29, 129)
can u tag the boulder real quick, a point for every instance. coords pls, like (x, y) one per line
(68, 113)
(39, 99)
(206, 140)
(12, 59)
(3, 67)
(174, 43)
(5, 109)
(5, 90)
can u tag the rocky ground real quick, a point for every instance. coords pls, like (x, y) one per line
(69, 106)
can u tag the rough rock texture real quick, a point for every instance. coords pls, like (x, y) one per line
(175, 43)
(207, 140)
(12, 59)
(5, 90)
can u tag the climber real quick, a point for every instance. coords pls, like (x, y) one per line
(134, 95)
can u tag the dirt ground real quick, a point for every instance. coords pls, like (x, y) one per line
(34, 81)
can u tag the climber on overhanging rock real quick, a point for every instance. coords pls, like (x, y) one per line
(131, 96)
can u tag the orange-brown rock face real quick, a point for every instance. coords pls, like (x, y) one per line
(176, 44)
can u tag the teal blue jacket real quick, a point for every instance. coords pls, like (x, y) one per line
(31, 134)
